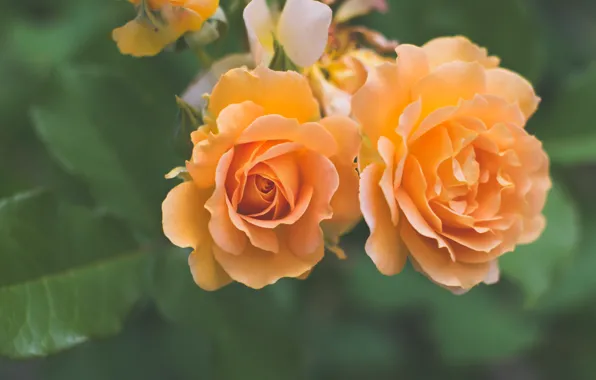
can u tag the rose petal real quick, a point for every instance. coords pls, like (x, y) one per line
(513, 88)
(285, 93)
(260, 29)
(447, 49)
(184, 215)
(304, 45)
(312, 136)
(354, 8)
(305, 235)
(223, 231)
(384, 245)
(437, 264)
(256, 268)
(206, 271)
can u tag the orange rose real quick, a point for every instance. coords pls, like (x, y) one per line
(160, 23)
(448, 171)
(267, 178)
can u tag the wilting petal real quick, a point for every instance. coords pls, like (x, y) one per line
(138, 38)
(257, 268)
(184, 215)
(284, 93)
(303, 29)
(513, 88)
(384, 245)
(206, 271)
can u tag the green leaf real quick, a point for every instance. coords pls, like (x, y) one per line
(507, 28)
(119, 140)
(66, 276)
(567, 123)
(477, 327)
(255, 333)
(280, 60)
(533, 266)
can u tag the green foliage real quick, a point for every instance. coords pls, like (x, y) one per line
(534, 265)
(67, 275)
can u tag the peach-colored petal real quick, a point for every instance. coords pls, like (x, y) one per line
(284, 93)
(436, 263)
(256, 268)
(305, 235)
(304, 45)
(302, 204)
(223, 231)
(184, 215)
(207, 153)
(312, 136)
(533, 228)
(513, 88)
(447, 49)
(384, 245)
(448, 84)
(345, 204)
(334, 100)
(139, 39)
(345, 132)
(206, 271)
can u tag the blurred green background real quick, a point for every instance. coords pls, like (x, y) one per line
(87, 278)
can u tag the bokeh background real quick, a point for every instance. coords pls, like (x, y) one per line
(90, 289)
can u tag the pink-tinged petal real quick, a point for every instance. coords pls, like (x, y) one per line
(260, 29)
(206, 271)
(303, 29)
(493, 275)
(312, 136)
(533, 228)
(223, 231)
(305, 235)
(184, 215)
(513, 88)
(436, 262)
(256, 268)
(384, 245)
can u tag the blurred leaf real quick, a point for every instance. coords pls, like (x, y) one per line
(147, 349)
(255, 335)
(507, 28)
(355, 351)
(383, 294)
(533, 266)
(567, 124)
(114, 137)
(477, 327)
(577, 285)
(66, 275)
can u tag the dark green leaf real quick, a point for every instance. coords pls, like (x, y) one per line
(567, 124)
(533, 266)
(66, 275)
(118, 139)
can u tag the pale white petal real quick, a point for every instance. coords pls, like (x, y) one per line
(303, 29)
(260, 29)
(354, 8)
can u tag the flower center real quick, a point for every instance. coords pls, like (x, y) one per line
(265, 185)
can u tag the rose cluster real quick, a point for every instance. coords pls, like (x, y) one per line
(336, 124)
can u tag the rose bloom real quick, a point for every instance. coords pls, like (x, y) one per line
(271, 183)
(448, 172)
(161, 23)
